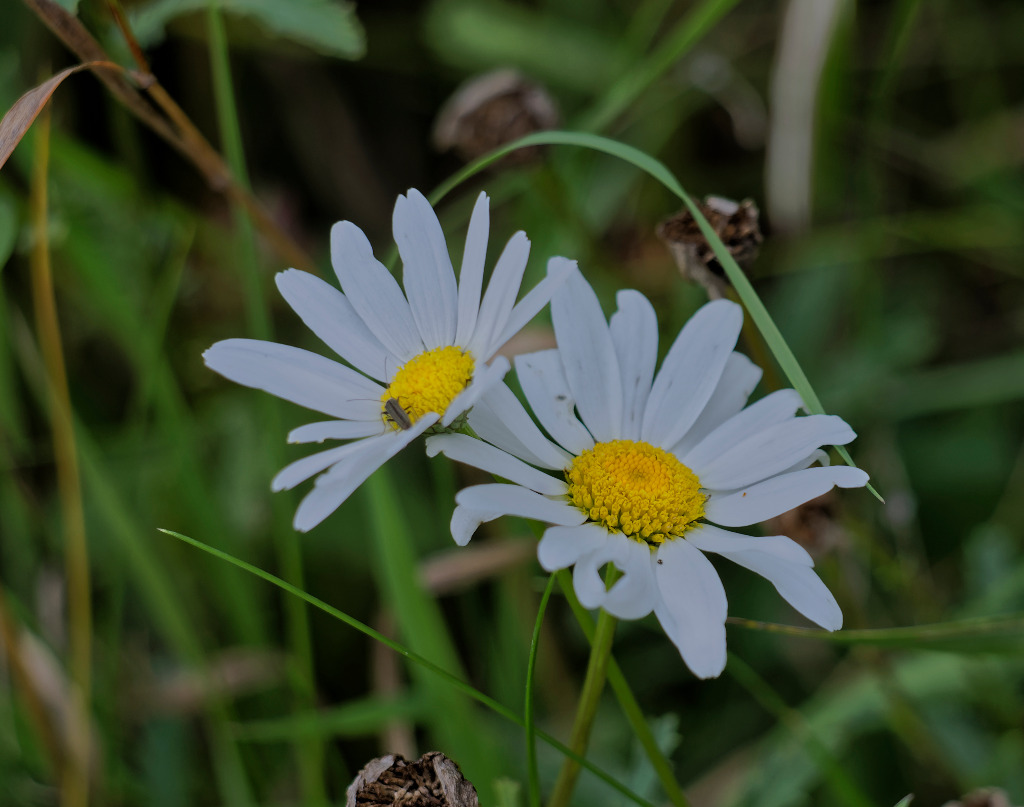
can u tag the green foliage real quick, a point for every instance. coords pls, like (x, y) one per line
(328, 27)
(897, 304)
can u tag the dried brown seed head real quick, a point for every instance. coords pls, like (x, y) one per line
(491, 110)
(736, 223)
(433, 780)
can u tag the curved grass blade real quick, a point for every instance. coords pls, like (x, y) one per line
(655, 168)
(460, 685)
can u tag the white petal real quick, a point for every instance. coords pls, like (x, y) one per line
(691, 606)
(500, 419)
(784, 564)
(485, 378)
(738, 380)
(634, 594)
(298, 376)
(543, 381)
(561, 547)
(772, 451)
(709, 538)
(817, 456)
(333, 487)
(691, 372)
(373, 292)
(634, 330)
(767, 499)
(466, 520)
(462, 448)
(771, 409)
(299, 471)
(586, 573)
(471, 276)
(588, 357)
(329, 314)
(427, 273)
(500, 297)
(335, 430)
(535, 299)
(512, 500)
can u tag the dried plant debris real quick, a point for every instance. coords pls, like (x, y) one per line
(736, 223)
(433, 780)
(814, 525)
(491, 110)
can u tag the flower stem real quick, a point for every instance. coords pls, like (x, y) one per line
(627, 702)
(593, 684)
(528, 724)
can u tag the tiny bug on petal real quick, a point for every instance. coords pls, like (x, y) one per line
(394, 413)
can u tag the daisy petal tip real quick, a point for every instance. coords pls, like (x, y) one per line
(501, 365)
(854, 478)
(560, 267)
(287, 276)
(708, 666)
(435, 444)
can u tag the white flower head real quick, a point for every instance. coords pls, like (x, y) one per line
(651, 464)
(420, 357)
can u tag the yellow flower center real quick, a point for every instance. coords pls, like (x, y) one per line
(636, 489)
(427, 383)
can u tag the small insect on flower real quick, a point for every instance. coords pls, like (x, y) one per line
(441, 333)
(394, 413)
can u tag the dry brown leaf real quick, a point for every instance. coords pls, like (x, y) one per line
(25, 110)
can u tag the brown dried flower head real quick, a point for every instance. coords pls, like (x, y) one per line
(433, 780)
(736, 223)
(491, 110)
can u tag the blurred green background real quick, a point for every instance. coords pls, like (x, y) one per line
(883, 143)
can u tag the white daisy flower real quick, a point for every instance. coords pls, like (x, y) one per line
(427, 347)
(651, 465)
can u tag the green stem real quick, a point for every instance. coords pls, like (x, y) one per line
(309, 752)
(627, 702)
(531, 745)
(593, 685)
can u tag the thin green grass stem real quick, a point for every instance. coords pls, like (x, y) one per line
(531, 746)
(627, 702)
(843, 787)
(309, 751)
(586, 710)
(457, 683)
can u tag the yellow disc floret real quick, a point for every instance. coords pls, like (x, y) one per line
(427, 383)
(636, 489)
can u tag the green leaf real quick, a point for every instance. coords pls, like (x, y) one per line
(324, 26)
